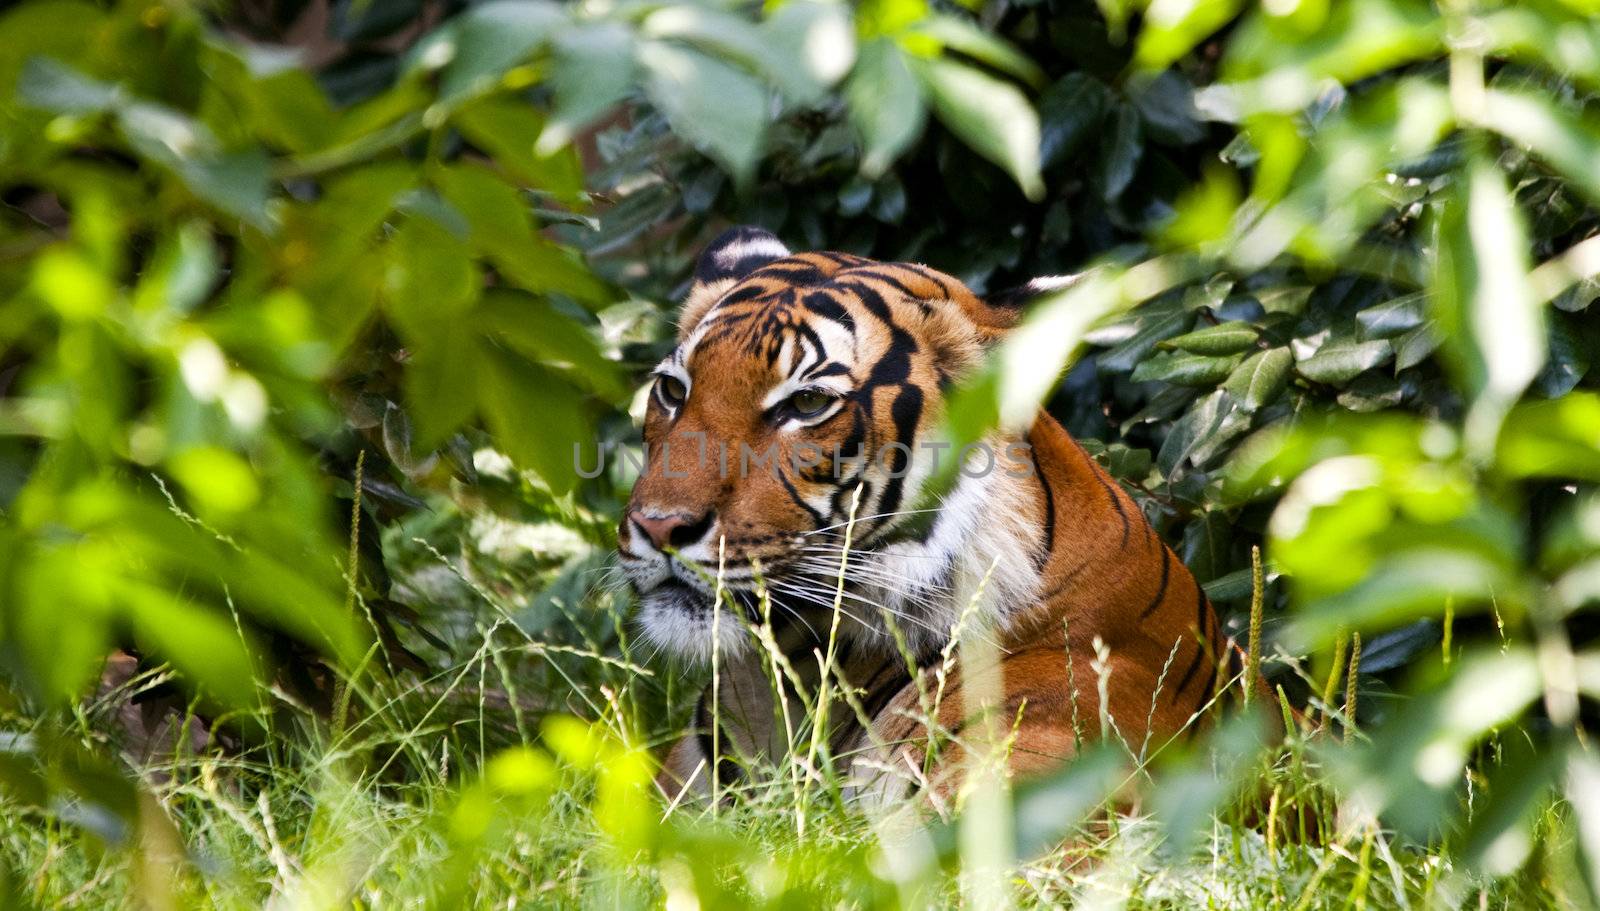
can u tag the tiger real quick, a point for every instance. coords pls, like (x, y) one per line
(789, 437)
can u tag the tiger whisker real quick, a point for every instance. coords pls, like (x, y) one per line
(860, 519)
(868, 572)
(818, 597)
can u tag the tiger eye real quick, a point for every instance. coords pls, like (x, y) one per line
(808, 402)
(673, 391)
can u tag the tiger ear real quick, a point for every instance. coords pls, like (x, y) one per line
(726, 261)
(995, 313)
(1017, 299)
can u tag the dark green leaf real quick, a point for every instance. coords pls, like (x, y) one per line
(1389, 319)
(1205, 544)
(1371, 392)
(1569, 359)
(1259, 380)
(1121, 149)
(1149, 329)
(1166, 104)
(1068, 113)
(1209, 421)
(1337, 362)
(1185, 369)
(1231, 337)
(1415, 346)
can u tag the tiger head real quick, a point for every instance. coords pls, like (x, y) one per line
(797, 411)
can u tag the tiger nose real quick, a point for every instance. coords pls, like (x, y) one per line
(674, 529)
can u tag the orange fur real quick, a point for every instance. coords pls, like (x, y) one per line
(1068, 559)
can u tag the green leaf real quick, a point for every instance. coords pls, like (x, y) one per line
(812, 47)
(509, 132)
(202, 643)
(1338, 362)
(1166, 106)
(1392, 318)
(954, 33)
(182, 273)
(1185, 369)
(1359, 39)
(1558, 438)
(1121, 149)
(238, 184)
(502, 229)
(1569, 358)
(1205, 544)
(1068, 113)
(55, 87)
(1187, 798)
(1049, 809)
(487, 39)
(1238, 585)
(1411, 770)
(1260, 379)
(1371, 392)
(717, 107)
(535, 416)
(1537, 122)
(1208, 424)
(1583, 795)
(1149, 329)
(439, 380)
(1232, 337)
(1418, 583)
(272, 94)
(1415, 346)
(536, 329)
(592, 70)
(1173, 27)
(1574, 534)
(1493, 327)
(60, 622)
(430, 282)
(886, 104)
(990, 116)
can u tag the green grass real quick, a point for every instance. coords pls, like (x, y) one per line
(473, 787)
(392, 813)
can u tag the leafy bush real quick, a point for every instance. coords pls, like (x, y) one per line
(269, 328)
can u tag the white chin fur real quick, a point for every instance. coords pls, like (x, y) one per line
(682, 623)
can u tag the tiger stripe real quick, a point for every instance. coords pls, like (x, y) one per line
(1047, 534)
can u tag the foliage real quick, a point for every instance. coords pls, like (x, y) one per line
(257, 311)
